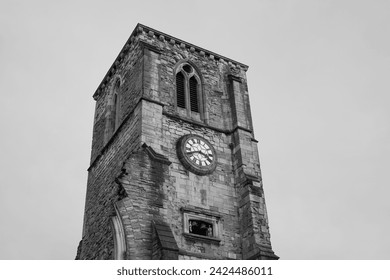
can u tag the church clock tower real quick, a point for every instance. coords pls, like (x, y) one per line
(174, 170)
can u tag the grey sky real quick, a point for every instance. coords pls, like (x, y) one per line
(319, 87)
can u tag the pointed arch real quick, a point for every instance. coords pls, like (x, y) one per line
(193, 90)
(113, 112)
(180, 90)
(119, 235)
(189, 99)
(117, 102)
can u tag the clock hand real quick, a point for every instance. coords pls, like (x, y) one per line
(207, 157)
(202, 153)
(192, 152)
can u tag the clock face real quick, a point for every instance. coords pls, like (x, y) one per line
(196, 154)
(199, 152)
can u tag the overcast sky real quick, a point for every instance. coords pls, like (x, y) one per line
(319, 88)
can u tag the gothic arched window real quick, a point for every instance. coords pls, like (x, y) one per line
(112, 111)
(116, 105)
(188, 91)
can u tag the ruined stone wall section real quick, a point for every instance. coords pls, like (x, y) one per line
(102, 190)
(143, 180)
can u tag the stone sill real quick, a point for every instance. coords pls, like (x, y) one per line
(201, 238)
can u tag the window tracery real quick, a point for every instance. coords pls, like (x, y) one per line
(189, 91)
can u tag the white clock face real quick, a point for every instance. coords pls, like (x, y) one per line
(196, 154)
(199, 152)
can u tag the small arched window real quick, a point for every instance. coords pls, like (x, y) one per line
(180, 91)
(194, 95)
(116, 105)
(188, 90)
(113, 113)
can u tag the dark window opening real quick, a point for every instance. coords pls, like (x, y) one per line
(194, 95)
(114, 113)
(180, 91)
(187, 68)
(200, 228)
(116, 105)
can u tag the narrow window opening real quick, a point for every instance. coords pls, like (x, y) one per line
(200, 227)
(116, 108)
(194, 95)
(114, 113)
(180, 91)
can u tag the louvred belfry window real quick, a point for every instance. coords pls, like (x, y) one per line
(194, 95)
(180, 91)
(188, 89)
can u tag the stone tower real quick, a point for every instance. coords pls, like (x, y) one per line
(174, 170)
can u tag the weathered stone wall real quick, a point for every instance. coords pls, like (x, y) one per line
(214, 192)
(142, 179)
(129, 73)
(228, 126)
(163, 58)
(102, 190)
(138, 168)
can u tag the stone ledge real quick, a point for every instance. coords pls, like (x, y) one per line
(153, 101)
(156, 156)
(201, 238)
(193, 122)
(201, 211)
(235, 78)
(200, 255)
(251, 177)
(149, 47)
